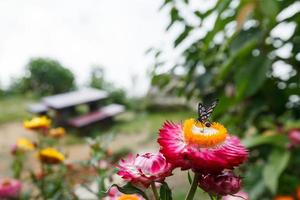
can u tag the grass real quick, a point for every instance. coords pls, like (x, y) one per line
(133, 123)
(149, 121)
(13, 109)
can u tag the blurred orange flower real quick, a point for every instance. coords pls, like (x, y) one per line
(51, 156)
(286, 197)
(37, 123)
(128, 197)
(298, 192)
(57, 132)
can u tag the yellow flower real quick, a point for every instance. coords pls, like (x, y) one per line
(25, 145)
(51, 156)
(37, 123)
(57, 132)
(197, 133)
(128, 197)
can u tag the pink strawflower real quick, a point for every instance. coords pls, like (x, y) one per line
(145, 169)
(294, 136)
(204, 149)
(9, 188)
(115, 194)
(225, 183)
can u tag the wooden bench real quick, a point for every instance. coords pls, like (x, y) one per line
(95, 116)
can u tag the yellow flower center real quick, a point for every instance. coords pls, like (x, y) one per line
(197, 133)
(128, 197)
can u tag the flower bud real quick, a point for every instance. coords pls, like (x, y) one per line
(225, 183)
(294, 136)
(103, 164)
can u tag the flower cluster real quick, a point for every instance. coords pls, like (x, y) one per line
(45, 147)
(209, 151)
(46, 155)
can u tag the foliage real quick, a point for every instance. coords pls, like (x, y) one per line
(45, 76)
(232, 51)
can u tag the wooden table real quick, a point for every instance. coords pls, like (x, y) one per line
(71, 99)
(64, 105)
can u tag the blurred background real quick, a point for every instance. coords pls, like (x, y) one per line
(158, 59)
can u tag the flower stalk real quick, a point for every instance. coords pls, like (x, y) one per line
(190, 195)
(153, 187)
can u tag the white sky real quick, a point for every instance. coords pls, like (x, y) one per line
(112, 33)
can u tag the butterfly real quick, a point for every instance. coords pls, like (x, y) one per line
(204, 112)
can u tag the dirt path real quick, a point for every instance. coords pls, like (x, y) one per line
(11, 132)
(137, 143)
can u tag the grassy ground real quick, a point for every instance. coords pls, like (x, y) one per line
(151, 121)
(13, 109)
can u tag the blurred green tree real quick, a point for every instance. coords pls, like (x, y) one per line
(98, 80)
(44, 76)
(247, 54)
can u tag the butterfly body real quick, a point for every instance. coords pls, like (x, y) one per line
(204, 112)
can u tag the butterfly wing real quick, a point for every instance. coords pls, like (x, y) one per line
(201, 110)
(211, 108)
(204, 112)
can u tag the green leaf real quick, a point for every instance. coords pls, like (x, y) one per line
(257, 190)
(251, 76)
(277, 162)
(174, 13)
(165, 192)
(269, 8)
(130, 189)
(183, 35)
(277, 140)
(244, 50)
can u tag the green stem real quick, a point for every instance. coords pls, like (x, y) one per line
(211, 197)
(190, 195)
(154, 191)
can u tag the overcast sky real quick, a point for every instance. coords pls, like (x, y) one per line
(112, 33)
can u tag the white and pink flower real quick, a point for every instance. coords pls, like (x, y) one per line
(145, 169)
